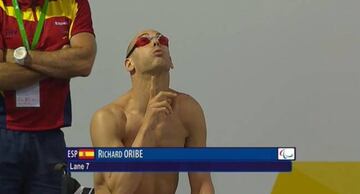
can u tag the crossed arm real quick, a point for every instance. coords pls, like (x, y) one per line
(76, 60)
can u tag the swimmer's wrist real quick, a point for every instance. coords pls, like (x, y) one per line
(144, 131)
(146, 128)
(145, 138)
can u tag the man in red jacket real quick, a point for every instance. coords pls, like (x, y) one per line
(43, 44)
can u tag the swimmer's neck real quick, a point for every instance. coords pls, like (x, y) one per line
(140, 91)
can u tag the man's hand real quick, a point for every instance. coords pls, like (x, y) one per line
(66, 46)
(9, 56)
(159, 105)
(72, 60)
(14, 76)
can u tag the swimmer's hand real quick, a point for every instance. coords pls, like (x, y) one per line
(159, 105)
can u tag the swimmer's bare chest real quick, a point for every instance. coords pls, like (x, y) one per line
(169, 133)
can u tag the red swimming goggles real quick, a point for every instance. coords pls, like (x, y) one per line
(144, 40)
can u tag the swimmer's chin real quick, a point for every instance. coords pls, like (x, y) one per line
(161, 64)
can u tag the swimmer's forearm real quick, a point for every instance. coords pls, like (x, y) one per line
(207, 188)
(124, 183)
(201, 183)
(127, 183)
(144, 138)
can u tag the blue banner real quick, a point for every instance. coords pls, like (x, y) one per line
(254, 154)
(83, 166)
(209, 159)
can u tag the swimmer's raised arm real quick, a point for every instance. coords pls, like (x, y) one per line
(107, 130)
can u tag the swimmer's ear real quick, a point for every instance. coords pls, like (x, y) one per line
(129, 65)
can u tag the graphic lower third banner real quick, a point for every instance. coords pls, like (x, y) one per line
(210, 159)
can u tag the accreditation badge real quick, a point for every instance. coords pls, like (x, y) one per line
(29, 96)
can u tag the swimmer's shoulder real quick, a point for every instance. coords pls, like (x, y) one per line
(185, 101)
(188, 108)
(114, 110)
(111, 118)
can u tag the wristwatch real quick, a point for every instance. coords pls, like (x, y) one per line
(20, 55)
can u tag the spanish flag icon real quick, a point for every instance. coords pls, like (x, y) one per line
(86, 154)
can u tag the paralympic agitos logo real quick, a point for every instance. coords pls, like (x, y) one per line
(286, 153)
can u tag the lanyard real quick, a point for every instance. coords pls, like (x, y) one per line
(39, 26)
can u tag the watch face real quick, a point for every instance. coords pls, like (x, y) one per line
(20, 53)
